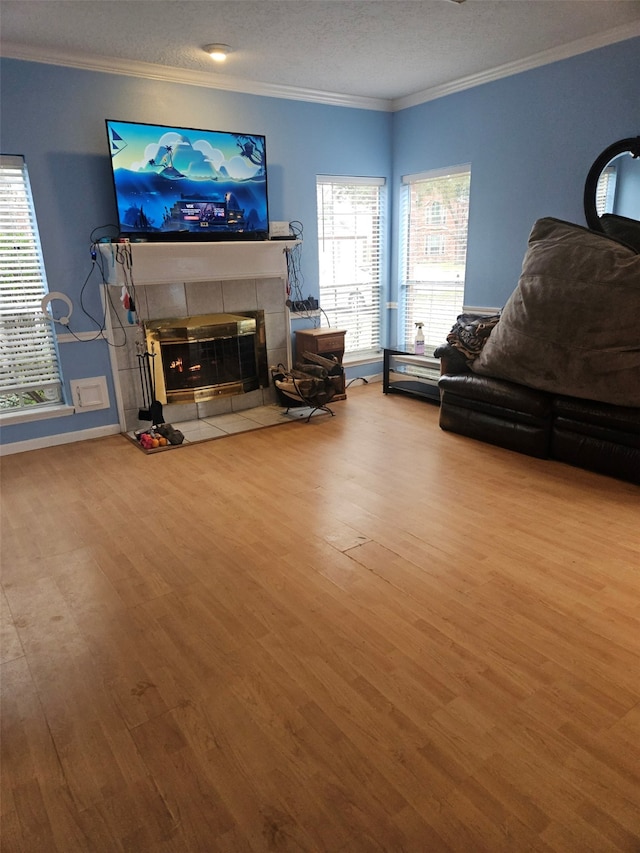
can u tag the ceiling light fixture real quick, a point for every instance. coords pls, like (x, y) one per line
(218, 52)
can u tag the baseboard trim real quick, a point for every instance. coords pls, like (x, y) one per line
(61, 438)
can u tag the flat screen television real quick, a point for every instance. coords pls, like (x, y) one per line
(178, 183)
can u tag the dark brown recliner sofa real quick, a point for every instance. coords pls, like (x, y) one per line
(598, 436)
(558, 376)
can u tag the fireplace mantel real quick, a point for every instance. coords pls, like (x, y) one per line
(166, 263)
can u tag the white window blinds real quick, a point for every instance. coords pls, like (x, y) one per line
(433, 250)
(350, 220)
(29, 373)
(606, 190)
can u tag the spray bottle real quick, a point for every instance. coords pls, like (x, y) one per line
(419, 342)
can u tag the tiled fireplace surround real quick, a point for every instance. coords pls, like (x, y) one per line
(239, 278)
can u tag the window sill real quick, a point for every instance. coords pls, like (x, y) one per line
(352, 360)
(42, 413)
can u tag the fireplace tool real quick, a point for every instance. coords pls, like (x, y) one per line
(152, 410)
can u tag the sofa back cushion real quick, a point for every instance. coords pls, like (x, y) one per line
(622, 228)
(572, 325)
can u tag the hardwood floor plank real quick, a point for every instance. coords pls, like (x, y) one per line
(358, 634)
(10, 645)
(199, 812)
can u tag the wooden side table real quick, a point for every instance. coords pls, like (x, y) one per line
(326, 342)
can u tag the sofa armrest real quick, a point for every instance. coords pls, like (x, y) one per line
(451, 360)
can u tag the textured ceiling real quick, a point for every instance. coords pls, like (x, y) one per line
(385, 49)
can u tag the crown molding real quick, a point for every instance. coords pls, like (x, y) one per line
(545, 57)
(150, 71)
(169, 74)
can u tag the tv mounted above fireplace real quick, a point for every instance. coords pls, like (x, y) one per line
(176, 183)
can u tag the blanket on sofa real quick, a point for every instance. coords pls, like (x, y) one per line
(572, 325)
(470, 333)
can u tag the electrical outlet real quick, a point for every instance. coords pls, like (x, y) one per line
(90, 394)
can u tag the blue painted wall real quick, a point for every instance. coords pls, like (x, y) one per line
(530, 139)
(55, 117)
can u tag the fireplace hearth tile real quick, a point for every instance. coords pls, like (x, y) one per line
(250, 400)
(180, 412)
(221, 426)
(232, 424)
(266, 415)
(214, 408)
(199, 430)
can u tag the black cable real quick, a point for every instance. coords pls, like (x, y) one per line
(115, 313)
(295, 277)
(294, 274)
(97, 262)
(124, 258)
(102, 323)
(94, 239)
(296, 228)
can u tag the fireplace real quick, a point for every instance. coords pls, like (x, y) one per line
(192, 280)
(207, 356)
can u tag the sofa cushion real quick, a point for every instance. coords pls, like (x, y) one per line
(602, 433)
(595, 452)
(622, 228)
(530, 438)
(572, 325)
(507, 396)
(619, 418)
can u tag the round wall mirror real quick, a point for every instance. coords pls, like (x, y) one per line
(612, 187)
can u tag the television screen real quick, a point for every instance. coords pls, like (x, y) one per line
(177, 183)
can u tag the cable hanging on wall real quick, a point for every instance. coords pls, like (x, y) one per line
(299, 303)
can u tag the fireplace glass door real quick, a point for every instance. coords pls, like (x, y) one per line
(208, 363)
(207, 356)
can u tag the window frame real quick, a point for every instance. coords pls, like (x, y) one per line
(30, 364)
(361, 321)
(436, 305)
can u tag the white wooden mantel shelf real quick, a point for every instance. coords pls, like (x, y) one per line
(168, 263)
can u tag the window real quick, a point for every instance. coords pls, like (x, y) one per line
(350, 217)
(606, 190)
(29, 373)
(436, 244)
(435, 215)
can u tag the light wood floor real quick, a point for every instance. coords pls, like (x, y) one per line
(360, 634)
